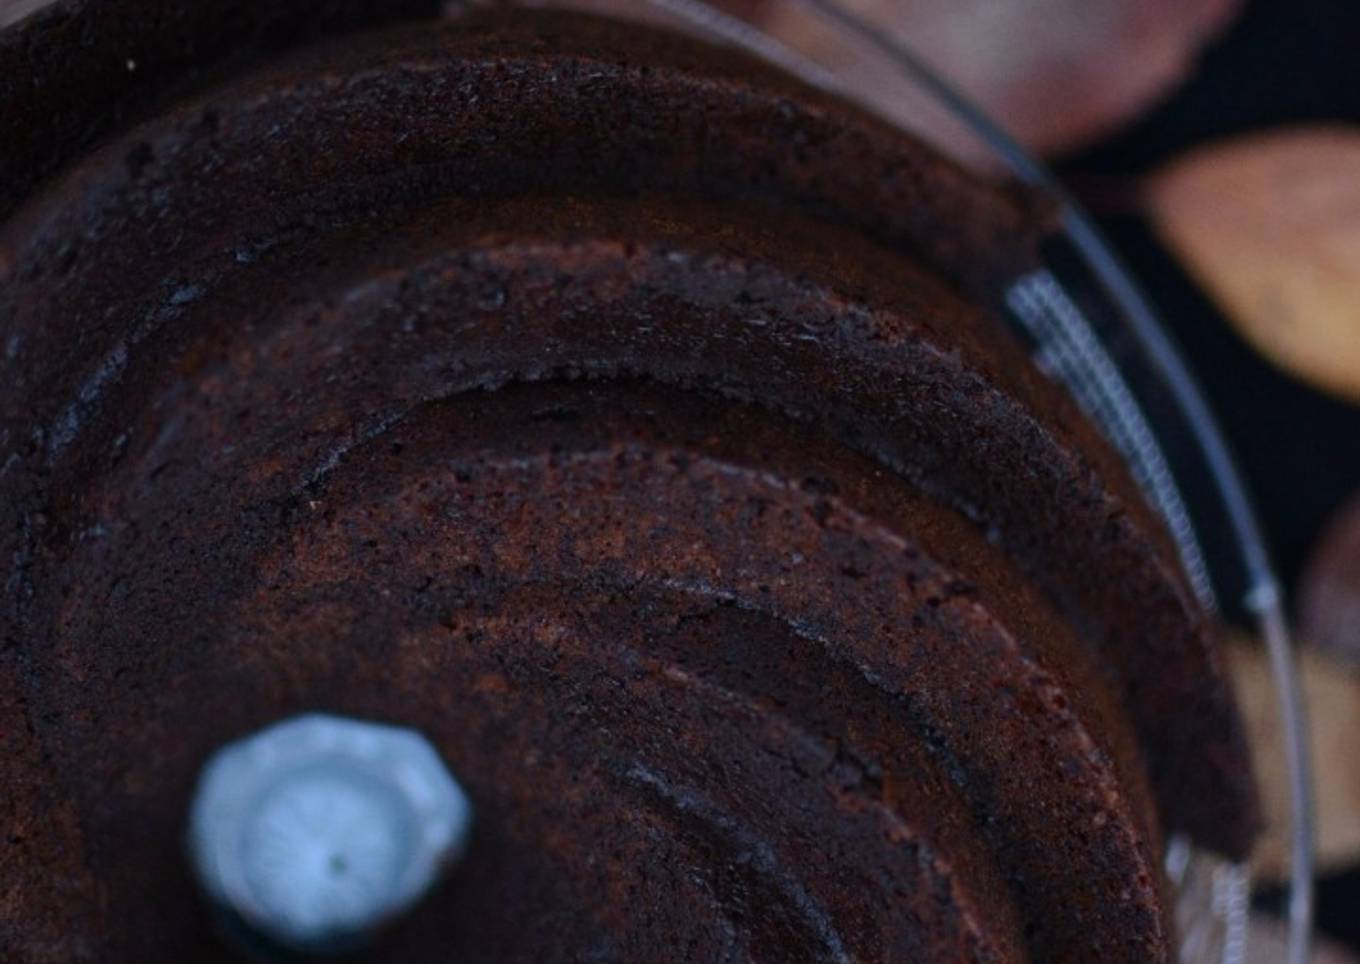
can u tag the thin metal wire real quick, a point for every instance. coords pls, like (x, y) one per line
(1080, 361)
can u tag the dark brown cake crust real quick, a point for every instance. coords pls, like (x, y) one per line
(555, 488)
(254, 347)
(79, 69)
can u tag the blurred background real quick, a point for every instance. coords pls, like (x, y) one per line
(1281, 64)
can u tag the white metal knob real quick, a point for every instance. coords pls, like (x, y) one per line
(318, 829)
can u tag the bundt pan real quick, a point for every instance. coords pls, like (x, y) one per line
(627, 417)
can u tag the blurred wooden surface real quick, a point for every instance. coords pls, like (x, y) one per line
(1333, 697)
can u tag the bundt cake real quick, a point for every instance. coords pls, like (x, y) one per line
(630, 419)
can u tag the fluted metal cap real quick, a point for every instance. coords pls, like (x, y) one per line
(316, 830)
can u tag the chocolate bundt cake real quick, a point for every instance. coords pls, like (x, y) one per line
(627, 417)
